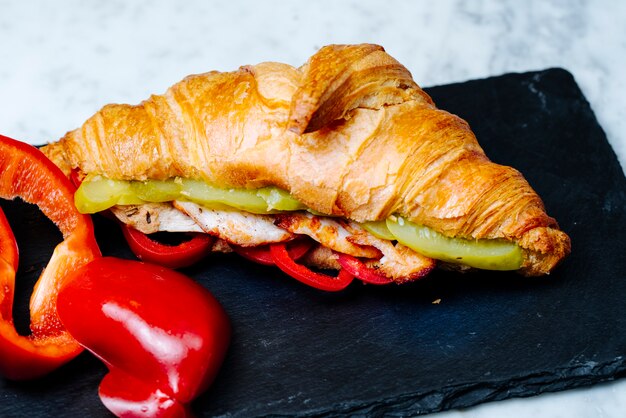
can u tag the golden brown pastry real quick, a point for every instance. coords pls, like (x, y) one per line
(349, 134)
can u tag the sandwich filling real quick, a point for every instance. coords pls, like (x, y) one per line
(396, 247)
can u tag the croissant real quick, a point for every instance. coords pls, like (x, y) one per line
(349, 134)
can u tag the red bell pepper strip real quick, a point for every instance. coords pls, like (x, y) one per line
(8, 266)
(162, 336)
(172, 256)
(75, 178)
(362, 272)
(303, 274)
(26, 173)
(261, 254)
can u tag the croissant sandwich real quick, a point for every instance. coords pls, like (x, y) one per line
(347, 150)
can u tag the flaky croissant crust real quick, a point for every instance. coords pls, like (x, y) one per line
(349, 133)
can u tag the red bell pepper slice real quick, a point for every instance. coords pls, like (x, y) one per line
(8, 266)
(26, 173)
(303, 274)
(75, 178)
(172, 256)
(261, 254)
(362, 272)
(162, 335)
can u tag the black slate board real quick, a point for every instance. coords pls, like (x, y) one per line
(390, 350)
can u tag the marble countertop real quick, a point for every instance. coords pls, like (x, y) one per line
(62, 61)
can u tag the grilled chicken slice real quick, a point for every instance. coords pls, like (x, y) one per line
(321, 257)
(398, 263)
(328, 232)
(240, 228)
(154, 217)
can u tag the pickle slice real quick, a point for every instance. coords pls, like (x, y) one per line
(278, 199)
(98, 193)
(378, 229)
(213, 197)
(157, 190)
(482, 254)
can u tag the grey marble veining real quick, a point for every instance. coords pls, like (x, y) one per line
(61, 61)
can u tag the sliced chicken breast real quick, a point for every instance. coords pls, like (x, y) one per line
(327, 231)
(240, 228)
(154, 217)
(399, 263)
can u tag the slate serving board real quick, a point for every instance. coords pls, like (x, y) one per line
(391, 350)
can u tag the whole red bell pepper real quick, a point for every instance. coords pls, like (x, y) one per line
(162, 335)
(26, 173)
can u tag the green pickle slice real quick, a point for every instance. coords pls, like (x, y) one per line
(216, 198)
(279, 199)
(157, 190)
(483, 254)
(97, 193)
(378, 229)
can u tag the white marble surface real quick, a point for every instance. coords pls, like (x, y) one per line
(61, 61)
